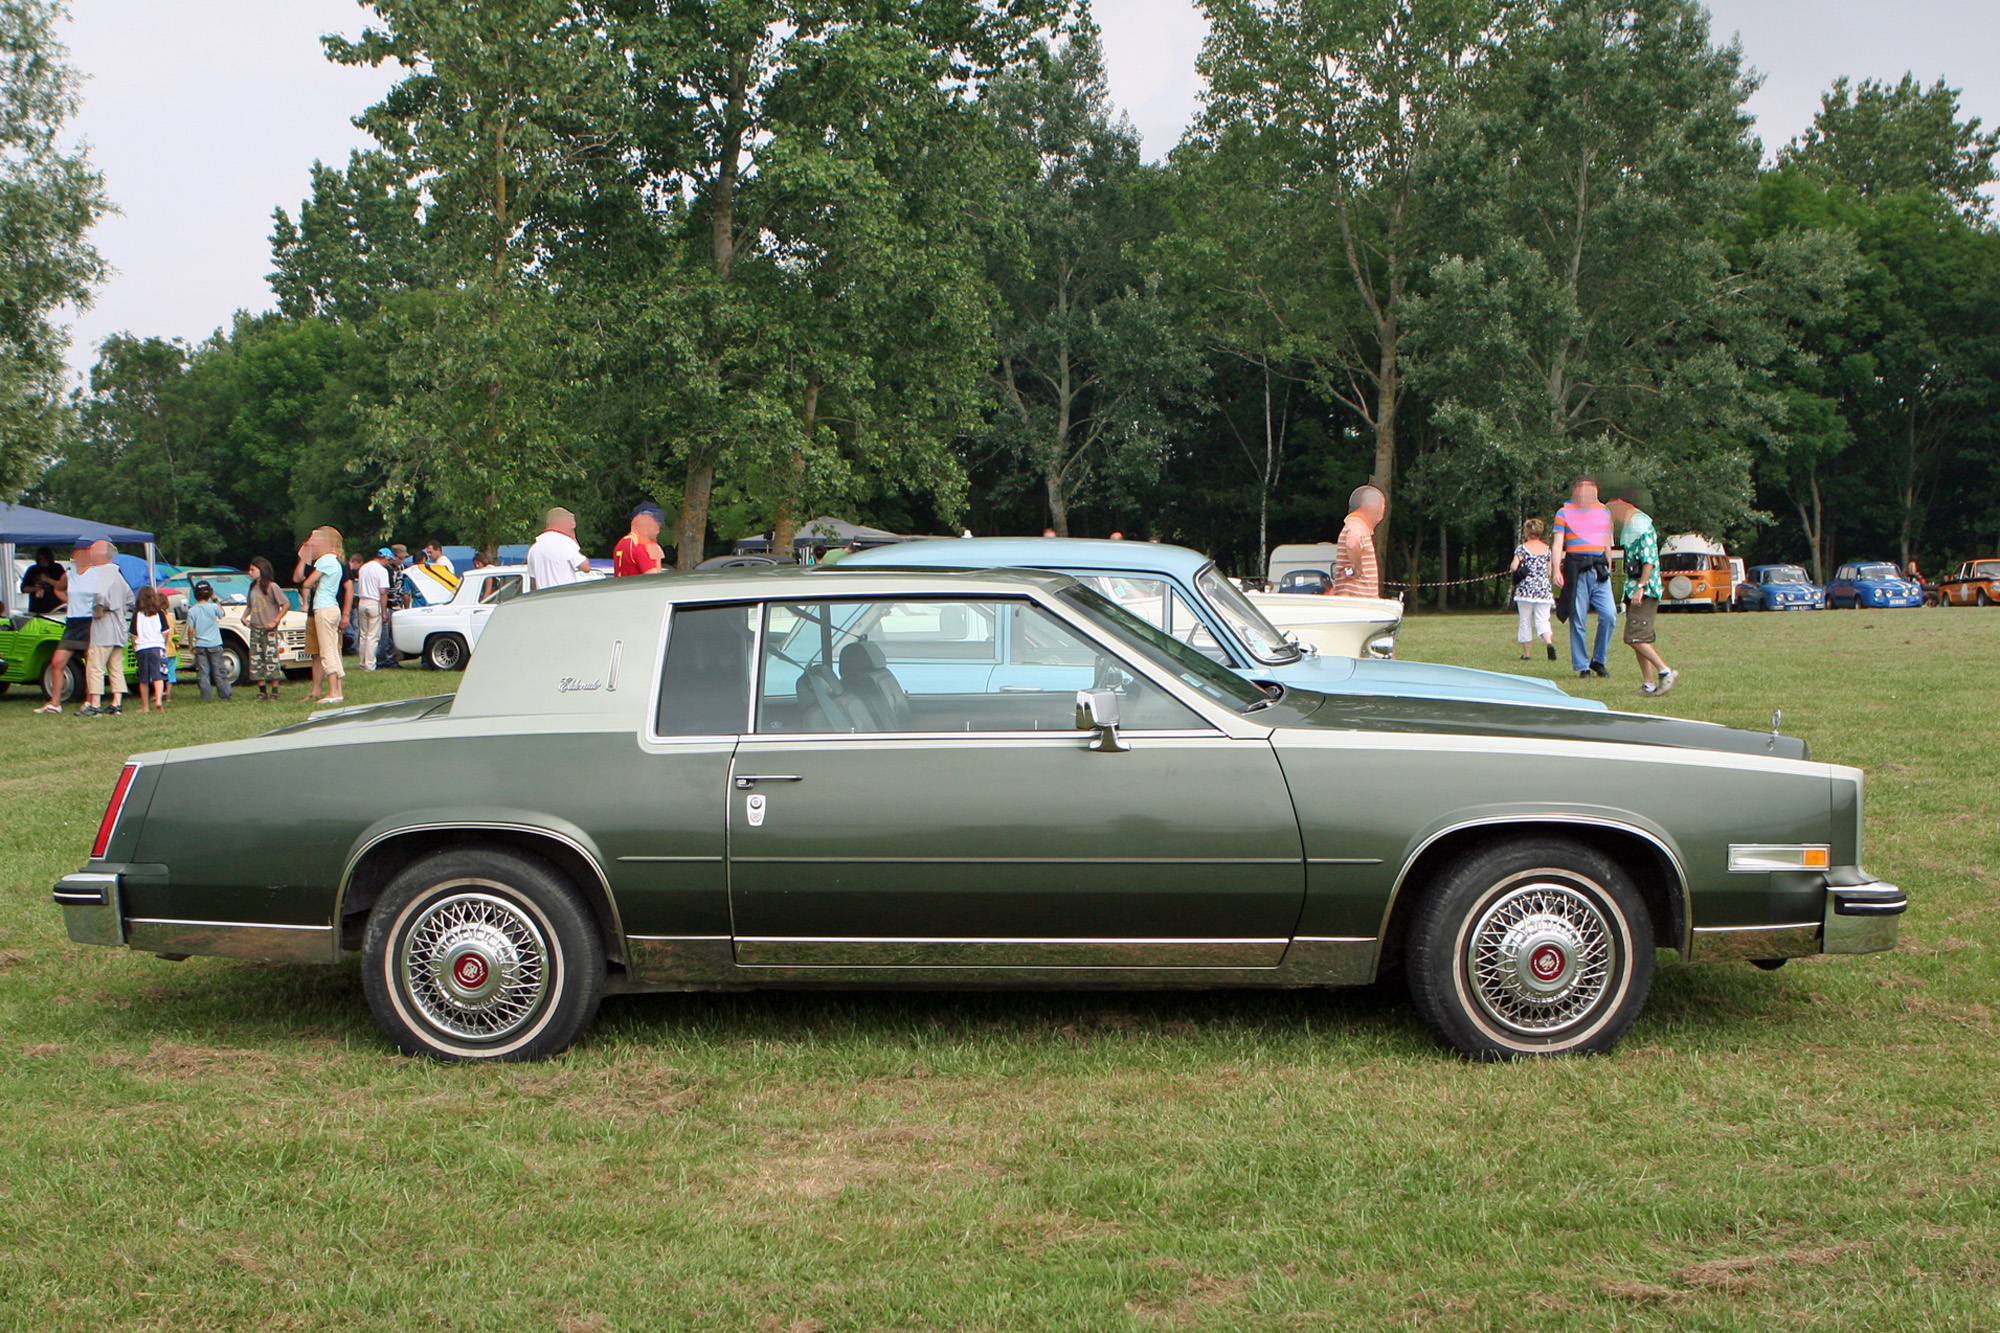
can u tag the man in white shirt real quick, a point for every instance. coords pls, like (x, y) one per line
(555, 558)
(371, 597)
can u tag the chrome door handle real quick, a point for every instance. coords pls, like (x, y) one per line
(1022, 689)
(753, 780)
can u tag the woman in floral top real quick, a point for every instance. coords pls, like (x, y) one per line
(1534, 595)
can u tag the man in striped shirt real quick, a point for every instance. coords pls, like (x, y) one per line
(1582, 564)
(1355, 573)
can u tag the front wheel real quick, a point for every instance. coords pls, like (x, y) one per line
(477, 954)
(1535, 947)
(235, 663)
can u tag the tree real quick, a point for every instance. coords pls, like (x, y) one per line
(359, 239)
(1592, 315)
(1350, 95)
(1088, 353)
(152, 444)
(1880, 140)
(753, 133)
(50, 198)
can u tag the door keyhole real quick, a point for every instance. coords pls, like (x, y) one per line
(754, 806)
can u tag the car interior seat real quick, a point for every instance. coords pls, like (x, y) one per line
(864, 671)
(825, 706)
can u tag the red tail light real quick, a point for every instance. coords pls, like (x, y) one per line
(111, 812)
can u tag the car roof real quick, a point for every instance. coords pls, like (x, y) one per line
(1033, 553)
(796, 581)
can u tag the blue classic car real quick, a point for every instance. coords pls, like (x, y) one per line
(1872, 585)
(1779, 588)
(1183, 593)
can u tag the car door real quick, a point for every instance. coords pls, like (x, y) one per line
(883, 818)
(485, 596)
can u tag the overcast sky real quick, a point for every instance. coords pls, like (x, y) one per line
(204, 115)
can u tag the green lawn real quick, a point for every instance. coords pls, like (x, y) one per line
(219, 1145)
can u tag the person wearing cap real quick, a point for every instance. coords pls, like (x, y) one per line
(555, 559)
(371, 605)
(1641, 541)
(639, 551)
(79, 594)
(205, 625)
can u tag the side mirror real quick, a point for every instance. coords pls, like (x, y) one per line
(1097, 710)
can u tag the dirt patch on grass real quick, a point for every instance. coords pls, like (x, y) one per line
(177, 1061)
(1201, 1301)
(1740, 1274)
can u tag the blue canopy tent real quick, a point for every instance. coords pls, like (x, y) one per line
(21, 526)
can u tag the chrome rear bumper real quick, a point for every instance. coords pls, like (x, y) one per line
(92, 909)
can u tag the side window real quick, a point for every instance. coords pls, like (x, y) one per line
(499, 589)
(934, 666)
(705, 685)
(1159, 604)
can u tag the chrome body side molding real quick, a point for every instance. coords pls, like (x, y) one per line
(259, 942)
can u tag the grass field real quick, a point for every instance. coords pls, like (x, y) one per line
(221, 1145)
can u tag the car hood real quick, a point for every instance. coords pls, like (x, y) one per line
(1473, 717)
(1416, 680)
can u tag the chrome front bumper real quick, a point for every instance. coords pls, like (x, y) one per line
(1862, 918)
(1858, 917)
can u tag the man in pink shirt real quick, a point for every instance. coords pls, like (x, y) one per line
(1581, 562)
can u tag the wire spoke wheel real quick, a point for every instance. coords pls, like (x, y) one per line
(1531, 946)
(475, 965)
(1540, 959)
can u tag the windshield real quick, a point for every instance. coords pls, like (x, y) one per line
(1877, 572)
(1259, 635)
(1217, 682)
(1785, 574)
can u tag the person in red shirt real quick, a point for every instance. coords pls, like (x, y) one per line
(638, 551)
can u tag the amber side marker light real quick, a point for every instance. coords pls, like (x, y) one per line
(112, 811)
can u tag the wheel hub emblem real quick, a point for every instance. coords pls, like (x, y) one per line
(470, 971)
(1539, 958)
(1547, 963)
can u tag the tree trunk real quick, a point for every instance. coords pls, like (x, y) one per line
(1444, 569)
(1058, 503)
(691, 532)
(1383, 477)
(786, 526)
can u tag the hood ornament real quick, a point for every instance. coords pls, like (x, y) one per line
(1777, 720)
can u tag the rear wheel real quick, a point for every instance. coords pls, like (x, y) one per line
(445, 652)
(1534, 947)
(478, 954)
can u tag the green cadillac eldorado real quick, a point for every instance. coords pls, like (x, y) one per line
(932, 779)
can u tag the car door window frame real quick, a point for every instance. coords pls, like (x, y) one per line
(650, 727)
(1139, 669)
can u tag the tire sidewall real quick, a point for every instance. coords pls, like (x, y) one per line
(1439, 961)
(529, 885)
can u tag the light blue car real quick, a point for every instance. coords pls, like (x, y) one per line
(1183, 593)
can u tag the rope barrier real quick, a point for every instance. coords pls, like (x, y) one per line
(1451, 583)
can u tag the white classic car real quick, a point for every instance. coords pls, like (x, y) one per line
(444, 634)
